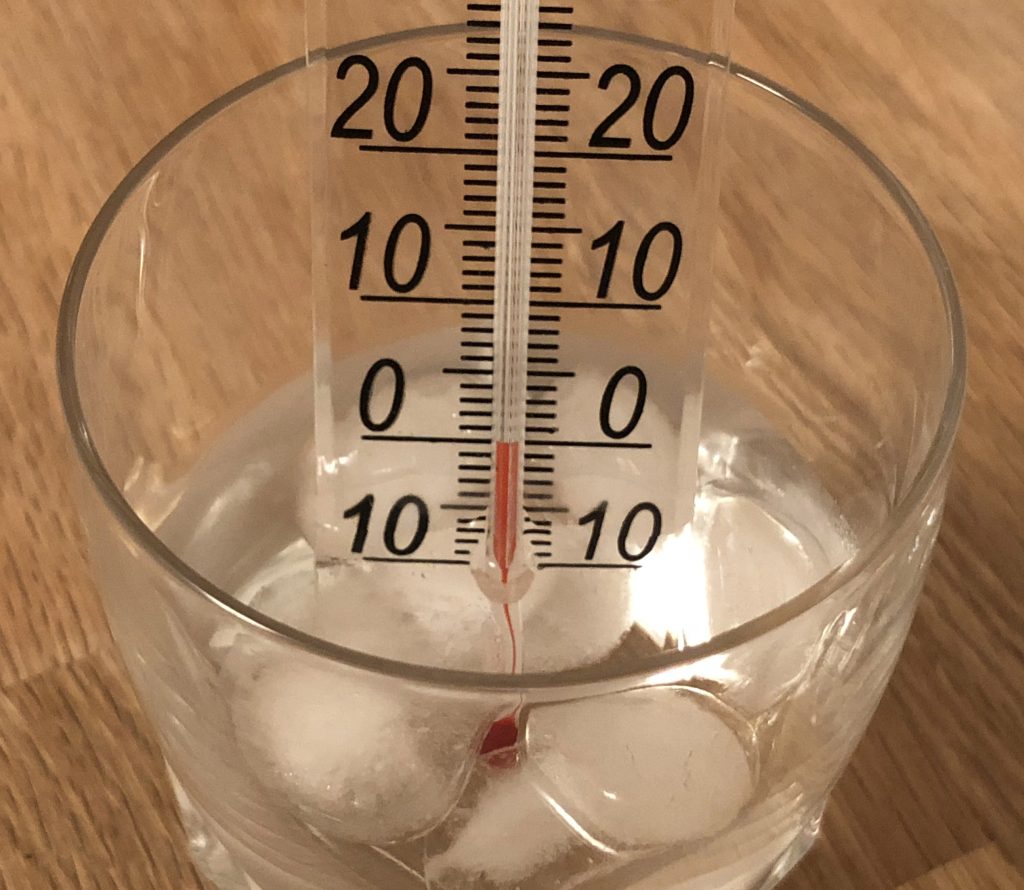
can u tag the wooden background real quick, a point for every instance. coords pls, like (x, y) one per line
(934, 799)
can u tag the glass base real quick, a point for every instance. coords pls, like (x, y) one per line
(221, 871)
(791, 857)
(210, 857)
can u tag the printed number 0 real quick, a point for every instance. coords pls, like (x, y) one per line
(367, 390)
(605, 414)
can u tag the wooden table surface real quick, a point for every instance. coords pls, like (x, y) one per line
(934, 799)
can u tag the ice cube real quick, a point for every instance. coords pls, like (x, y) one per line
(573, 618)
(431, 615)
(357, 760)
(643, 768)
(510, 834)
(737, 561)
(757, 561)
(437, 616)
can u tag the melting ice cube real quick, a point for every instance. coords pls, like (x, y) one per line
(356, 760)
(572, 618)
(431, 615)
(644, 768)
(739, 560)
(511, 834)
(604, 781)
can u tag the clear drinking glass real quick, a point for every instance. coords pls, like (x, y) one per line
(697, 756)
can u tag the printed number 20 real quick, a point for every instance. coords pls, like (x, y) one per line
(341, 128)
(601, 137)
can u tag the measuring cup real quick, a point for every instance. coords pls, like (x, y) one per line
(656, 740)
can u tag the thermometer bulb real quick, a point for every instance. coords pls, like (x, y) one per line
(504, 574)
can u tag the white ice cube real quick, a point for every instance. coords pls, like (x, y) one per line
(510, 834)
(359, 761)
(736, 562)
(573, 618)
(643, 768)
(437, 615)
(431, 615)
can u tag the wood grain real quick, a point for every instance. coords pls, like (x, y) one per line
(985, 869)
(934, 799)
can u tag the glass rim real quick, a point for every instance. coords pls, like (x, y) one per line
(575, 679)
